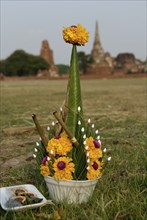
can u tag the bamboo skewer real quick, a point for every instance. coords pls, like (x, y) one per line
(40, 130)
(73, 139)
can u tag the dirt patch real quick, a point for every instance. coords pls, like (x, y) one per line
(17, 161)
(17, 149)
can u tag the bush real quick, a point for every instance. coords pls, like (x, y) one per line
(21, 63)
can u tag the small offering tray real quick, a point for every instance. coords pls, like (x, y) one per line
(8, 194)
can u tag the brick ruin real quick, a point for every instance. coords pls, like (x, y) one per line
(47, 54)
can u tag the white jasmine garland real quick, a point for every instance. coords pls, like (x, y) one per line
(92, 125)
(35, 149)
(84, 142)
(48, 128)
(89, 120)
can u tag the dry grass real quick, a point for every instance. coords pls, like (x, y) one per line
(118, 108)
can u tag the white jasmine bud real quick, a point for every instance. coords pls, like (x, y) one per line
(53, 123)
(82, 129)
(98, 137)
(92, 125)
(89, 120)
(88, 168)
(61, 109)
(51, 152)
(96, 131)
(79, 122)
(34, 155)
(48, 128)
(88, 160)
(48, 158)
(109, 158)
(79, 108)
(35, 149)
(84, 136)
(86, 148)
(84, 142)
(87, 154)
(40, 139)
(104, 150)
(37, 144)
(99, 142)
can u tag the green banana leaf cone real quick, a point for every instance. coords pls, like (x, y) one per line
(75, 121)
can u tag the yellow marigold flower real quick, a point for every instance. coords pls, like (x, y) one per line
(76, 34)
(63, 168)
(94, 170)
(44, 169)
(95, 152)
(60, 145)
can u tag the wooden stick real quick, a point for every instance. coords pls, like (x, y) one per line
(73, 139)
(40, 130)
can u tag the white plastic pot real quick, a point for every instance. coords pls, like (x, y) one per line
(70, 191)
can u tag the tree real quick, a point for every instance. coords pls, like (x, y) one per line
(21, 63)
(63, 69)
(83, 60)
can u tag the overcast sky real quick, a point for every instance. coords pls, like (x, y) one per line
(25, 23)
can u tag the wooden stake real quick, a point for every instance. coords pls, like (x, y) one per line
(73, 139)
(40, 130)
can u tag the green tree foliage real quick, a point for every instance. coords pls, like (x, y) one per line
(21, 63)
(63, 69)
(84, 60)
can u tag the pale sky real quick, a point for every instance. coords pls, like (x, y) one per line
(25, 23)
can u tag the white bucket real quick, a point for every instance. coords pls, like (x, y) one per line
(70, 191)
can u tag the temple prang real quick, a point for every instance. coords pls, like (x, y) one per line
(97, 52)
(103, 64)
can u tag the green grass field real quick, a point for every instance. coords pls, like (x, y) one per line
(118, 109)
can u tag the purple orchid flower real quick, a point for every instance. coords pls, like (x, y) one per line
(44, 160)
(97, 143)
